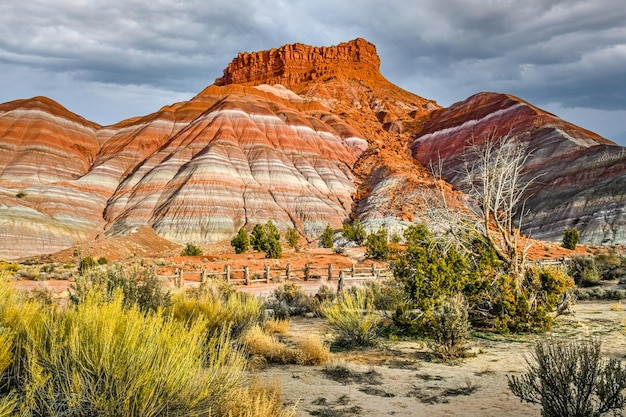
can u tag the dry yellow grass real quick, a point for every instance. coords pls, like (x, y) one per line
(617, 306)
(275, 326)
(261, 399)
(314, 351)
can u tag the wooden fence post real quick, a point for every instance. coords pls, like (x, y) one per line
(340, 282)
(352, 271)
(203, 275)
(246, 275)
(267, 274)
(307, 269)
(330, 271)
(227, 272)
(288, 271)
(181, 279)
(373, 269)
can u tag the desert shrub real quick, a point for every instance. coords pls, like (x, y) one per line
(354, 232)
(139, 286)
(326, 239)
(86, 264)
(235, 312)
(266, 238)
(101, 358)
(431, 269)
(276, 326)
(102, 260)
(571, 379)
(353, 318)
(450, 327)
(293, 237)
(241, 242)
(191, 250)
(611, 266)
(257, 343)
(584, 271)
(378, 245)
(571, 237)
(291, 300)
(313, 350)
(388, 296)
(260, 399)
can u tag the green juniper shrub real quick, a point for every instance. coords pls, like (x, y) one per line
(354, 232)
(241, 242)
(102, 260)
(378, 245)
(86, 264)
(266, 238)
(326, 239)
(571, 238)
(191, 250)
(293, 237)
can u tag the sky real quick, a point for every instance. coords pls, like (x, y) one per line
(109, 60)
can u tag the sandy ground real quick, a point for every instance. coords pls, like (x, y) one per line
(400, 378)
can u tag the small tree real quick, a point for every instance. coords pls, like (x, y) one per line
(571, 237)
(327, 237)
(273, 249)
(571, 379)
(266, 238)
(378, 245)
(354, 232)
(293, 237)
(191, 250)
(241, 242)
(258, 238)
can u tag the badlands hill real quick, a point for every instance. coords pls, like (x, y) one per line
(305, 136)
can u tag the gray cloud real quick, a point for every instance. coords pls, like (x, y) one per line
(113, 59)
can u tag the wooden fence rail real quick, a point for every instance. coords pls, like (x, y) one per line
(278, 274)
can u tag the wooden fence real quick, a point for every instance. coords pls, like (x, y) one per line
(246, 276)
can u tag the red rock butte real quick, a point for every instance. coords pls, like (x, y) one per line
(297, 63)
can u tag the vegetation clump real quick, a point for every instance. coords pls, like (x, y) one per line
(354, 232)
(571, 237)
(191, 250)
(572, 379)
(241, 242)
(326, 240)
(378, 245)
(266, 238)
(293, 237)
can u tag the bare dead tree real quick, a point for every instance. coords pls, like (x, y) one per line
(494, 178)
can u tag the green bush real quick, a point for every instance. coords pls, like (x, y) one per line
(241, 242)
(191, 250)
(354, 232)
(291, 300)
(102, 260)
(584, 271)
(266, 238)
(138, 285)
(86, 264)
(326, 239)
(571, 379)
(378, 245)
(571, 237)
(353, 318)
(293, 237)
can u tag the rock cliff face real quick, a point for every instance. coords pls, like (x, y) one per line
(579, 178)
(297, 63)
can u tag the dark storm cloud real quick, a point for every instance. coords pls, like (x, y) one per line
(566, 53)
